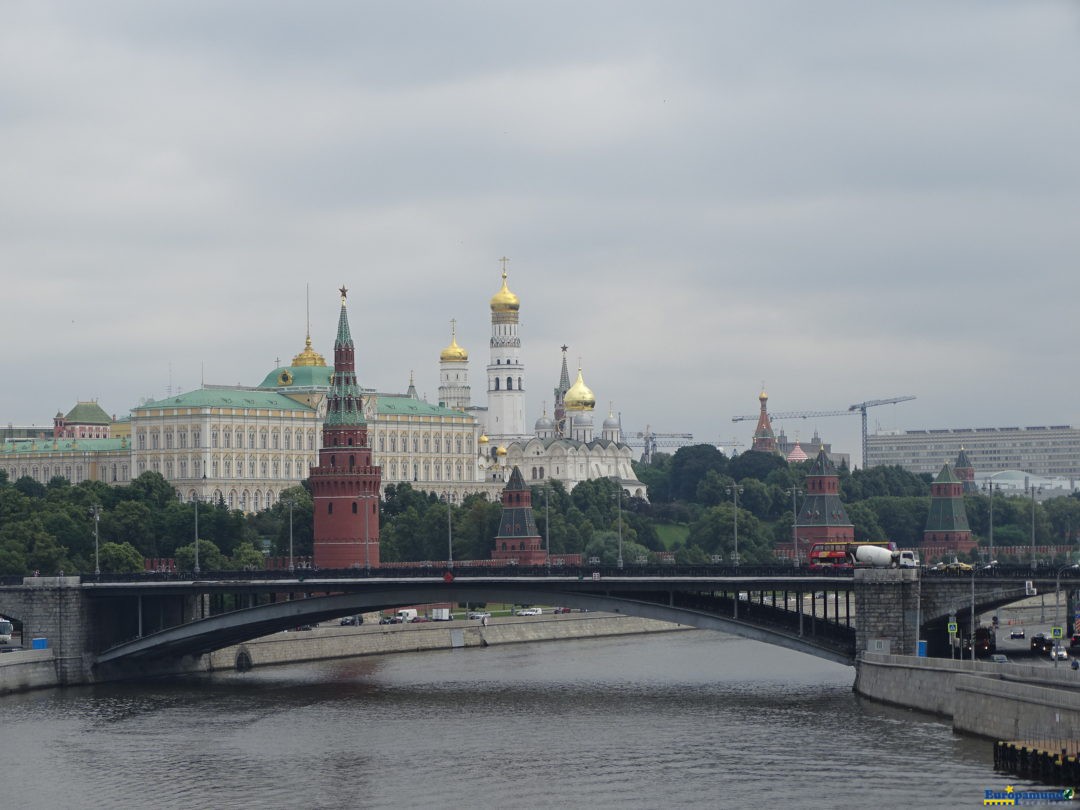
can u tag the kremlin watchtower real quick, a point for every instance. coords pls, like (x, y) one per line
(947, 531)
(823, 517)
(764, 438)
(345, 484)
(518, 540)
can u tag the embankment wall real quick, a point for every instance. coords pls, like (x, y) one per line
(324, 643)
(999, 701)
(29, 669)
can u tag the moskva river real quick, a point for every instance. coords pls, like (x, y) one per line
(692, 719)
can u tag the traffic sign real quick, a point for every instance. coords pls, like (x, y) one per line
(1055, 632)
(952, 628)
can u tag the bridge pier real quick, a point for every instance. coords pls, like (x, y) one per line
(887, 610)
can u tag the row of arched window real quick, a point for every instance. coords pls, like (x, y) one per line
(227, 438)
(436, 443)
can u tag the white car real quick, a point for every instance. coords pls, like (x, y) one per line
(529, 612)
(479, 614)
(1059, 654)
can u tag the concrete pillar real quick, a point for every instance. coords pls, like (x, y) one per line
(886, 610)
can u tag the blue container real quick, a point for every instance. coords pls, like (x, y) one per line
(922, 648)
(39, 644)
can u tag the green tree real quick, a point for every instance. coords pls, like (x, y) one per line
(689, 466)
(210, 557)
(246, 557)
(120, 558)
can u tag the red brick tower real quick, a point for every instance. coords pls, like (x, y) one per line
(764, 438)
(345, 484)
(823, 517)
(947, 531)
(518, 538)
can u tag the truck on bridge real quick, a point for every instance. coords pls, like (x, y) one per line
(871, 554)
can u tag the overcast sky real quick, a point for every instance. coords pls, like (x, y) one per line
(843, 200)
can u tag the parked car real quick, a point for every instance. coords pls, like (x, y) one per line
(529, 611)
(479, 614)
(418, 619)
(1018, 633)
(561, 610)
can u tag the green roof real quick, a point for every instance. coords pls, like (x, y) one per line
(65, 446)
(946, 476)
(227, 398)
(409, 406)
(289, 377)
(88, 413)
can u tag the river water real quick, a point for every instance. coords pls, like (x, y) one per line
(691, 719)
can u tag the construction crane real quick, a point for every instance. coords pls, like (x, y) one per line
(649, 441)
(859, 407)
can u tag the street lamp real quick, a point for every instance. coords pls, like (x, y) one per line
(1033, 490)
(195, 499)
(95, 512)
(991, 486)
(794, 492)
(449, 535)
(735, 491)
(547, 525)
(1057, 599)
(290, 503)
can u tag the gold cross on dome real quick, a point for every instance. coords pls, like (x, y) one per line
(504, 260)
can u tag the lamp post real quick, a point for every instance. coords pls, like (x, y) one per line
(95, 511)
(991, 486)
(547, 525)
(291, 503)
(735, 491)
(449, 535)
(794, 492)
(972, 618)
(1033, 489)
(195, 499)
(1057, 599)
(619, 484)
(367, 536)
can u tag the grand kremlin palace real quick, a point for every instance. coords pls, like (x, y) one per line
(245, 445)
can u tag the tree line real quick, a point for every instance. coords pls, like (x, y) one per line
(690, 512)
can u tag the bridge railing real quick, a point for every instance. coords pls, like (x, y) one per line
(423, 570)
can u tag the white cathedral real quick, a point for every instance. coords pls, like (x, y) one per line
(563, 448)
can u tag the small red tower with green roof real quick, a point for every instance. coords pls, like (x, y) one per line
(823, 517)
(345, 484)
(518, 539)
(764, 438)
(947, 531)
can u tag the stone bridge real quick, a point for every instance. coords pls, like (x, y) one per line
(115, 628)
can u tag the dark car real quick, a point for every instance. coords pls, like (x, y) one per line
(1017, 633)
(347, 621)
(420, 619)
(1040, 643)
(10, 648)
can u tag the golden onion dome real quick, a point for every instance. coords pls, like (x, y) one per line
(308, 357)
(483, 439)
(763, 396)
(504, 300)
(580, 397)
(453, 353)
(500, 451)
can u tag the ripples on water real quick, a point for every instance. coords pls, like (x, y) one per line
(693, 719)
